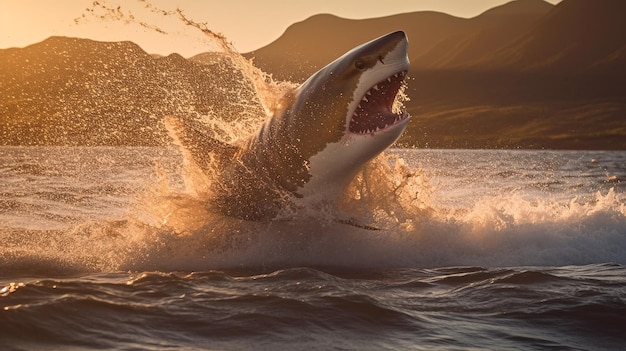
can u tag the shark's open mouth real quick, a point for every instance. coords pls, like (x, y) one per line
(375, 110)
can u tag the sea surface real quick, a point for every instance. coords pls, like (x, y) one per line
(107, 248)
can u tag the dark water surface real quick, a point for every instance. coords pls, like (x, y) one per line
(510, 250)
(530, 308)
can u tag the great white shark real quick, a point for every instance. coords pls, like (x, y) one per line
(316, 141)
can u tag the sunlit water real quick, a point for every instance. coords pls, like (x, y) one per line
(502, 250)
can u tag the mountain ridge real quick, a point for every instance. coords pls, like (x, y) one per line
(294, 55)
(72, 91)
(565, 39)
(465, 90)
(509, 66)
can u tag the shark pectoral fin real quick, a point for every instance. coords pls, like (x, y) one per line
(194, 141)
(353, 222)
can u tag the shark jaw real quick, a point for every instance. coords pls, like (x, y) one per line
(374, 107)
(375, 112)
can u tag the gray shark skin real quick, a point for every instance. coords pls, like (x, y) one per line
(317, 140)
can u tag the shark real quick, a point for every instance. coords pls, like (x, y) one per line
(317, 139)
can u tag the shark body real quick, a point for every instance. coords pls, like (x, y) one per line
(317, 140)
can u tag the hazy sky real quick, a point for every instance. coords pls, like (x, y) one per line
(248, 24)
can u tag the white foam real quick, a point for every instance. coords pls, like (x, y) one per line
(502, 230)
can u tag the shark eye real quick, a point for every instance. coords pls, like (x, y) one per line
(360, 65)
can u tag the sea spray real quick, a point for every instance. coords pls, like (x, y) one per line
(269, 92)
(143, 14)
(388, 192)
(117, 214)
(145, 210)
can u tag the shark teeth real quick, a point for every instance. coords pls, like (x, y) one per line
(374, 111)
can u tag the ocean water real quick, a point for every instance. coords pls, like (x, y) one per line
(111, 248)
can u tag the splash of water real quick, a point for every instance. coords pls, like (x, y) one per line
(167, 228)
(170, 226)
(396, 202)
(268, 90)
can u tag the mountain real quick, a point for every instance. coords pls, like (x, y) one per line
(557, 85)
(436, 39)
(578, 36)
(522, 35)
(483, 35)
(525, 74)
(309, 45)
(70, 91)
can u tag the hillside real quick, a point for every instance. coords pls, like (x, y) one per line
(309, 45)
(577, 37)
(483, 35)
(437, 40)
(69, 91)
(525, 74)
(522, 75)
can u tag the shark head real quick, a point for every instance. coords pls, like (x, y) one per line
(345, 112)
